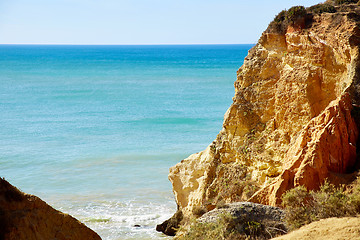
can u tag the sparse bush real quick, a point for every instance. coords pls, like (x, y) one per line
(355, 195)
(321, 8)
(296, 203)
(253, 228)
(206, 231)
(198, 211)
(233, 184)
(228, 228)
(295, 13)
(339, 2)
(280, 17)
(303, 207)
(330, 201)
(286, 18)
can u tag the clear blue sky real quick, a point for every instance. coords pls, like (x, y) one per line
(137, 21)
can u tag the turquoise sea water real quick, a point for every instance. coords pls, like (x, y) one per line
(93, 130)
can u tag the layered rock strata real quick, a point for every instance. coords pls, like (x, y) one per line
(26, 217)
(292, 120)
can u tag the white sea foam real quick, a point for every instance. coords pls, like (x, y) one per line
(134, 219)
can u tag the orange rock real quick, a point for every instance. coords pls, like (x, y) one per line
(27, 217)
(326, 145)
(290, 122)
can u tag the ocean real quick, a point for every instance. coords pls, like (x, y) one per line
(93, 130)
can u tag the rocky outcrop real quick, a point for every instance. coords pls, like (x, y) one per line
(240, 220)
(170, 226)
(248, 212)
(26, 217)
(292, 120)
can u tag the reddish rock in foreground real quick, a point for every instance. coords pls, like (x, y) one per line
(27, 217)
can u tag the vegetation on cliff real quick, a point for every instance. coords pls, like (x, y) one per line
(299, 16)
(339, 2)
(237, 221)
(303, 206)
(287, 17)
(322, 8)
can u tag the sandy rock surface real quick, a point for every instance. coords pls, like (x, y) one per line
(327, 229)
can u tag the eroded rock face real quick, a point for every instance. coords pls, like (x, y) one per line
(325, 147)
(291, 120)
(26, 217)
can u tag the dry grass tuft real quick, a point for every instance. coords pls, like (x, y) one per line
(303, 207)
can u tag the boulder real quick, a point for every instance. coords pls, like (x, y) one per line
(170, 226)
(249, 218)
(27, 217)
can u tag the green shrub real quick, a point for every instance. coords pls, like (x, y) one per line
(295, 13)
(233, 184)
(296, 203)
(253, 228)
(286, 18)
(206, 231)
(321, 8)
(339, 2)
(330, 201)
(228, 228)
(280, 17)
(303, 207)
(355, 195)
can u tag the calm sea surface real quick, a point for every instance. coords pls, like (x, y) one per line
(93, 130)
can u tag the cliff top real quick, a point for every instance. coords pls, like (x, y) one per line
(302, 17)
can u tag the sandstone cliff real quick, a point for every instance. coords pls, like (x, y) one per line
(26, 217)
(292, 121)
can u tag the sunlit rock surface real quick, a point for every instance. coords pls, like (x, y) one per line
(292, 121)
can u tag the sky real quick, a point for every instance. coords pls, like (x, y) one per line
(138, 21)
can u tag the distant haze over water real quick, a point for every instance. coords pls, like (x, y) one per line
(92, 130)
